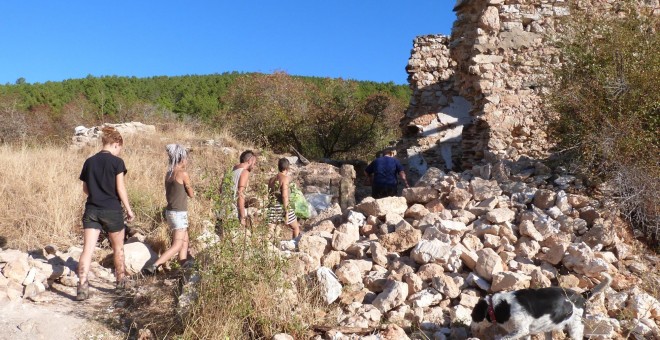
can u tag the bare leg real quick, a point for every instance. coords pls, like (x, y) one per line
(295, 228)
(183, 253)
(117, 243)
(90, 236)
(178, 237)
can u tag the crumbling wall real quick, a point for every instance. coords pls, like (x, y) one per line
(477, 95)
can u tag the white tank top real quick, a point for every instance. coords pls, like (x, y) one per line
(235, 178)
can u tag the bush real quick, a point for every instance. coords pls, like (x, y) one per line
(323, 119)
(609, 106)
(244, 292)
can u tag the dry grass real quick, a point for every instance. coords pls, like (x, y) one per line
(243, 292)
(41, 196)
(246, 294)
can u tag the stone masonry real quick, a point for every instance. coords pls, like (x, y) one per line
(477, 95)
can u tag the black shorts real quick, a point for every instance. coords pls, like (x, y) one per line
(382, 191)
(110, 221)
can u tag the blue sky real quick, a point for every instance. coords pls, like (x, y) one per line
(352, 39)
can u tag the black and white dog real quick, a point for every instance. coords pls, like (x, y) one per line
(532, 311)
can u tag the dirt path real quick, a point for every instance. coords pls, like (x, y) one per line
(56, 315)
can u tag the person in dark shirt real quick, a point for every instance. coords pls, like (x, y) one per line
(103, 183)
(382, 172)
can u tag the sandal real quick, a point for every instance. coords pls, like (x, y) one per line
(83, 292)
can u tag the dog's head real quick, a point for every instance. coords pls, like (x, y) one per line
(480, 311)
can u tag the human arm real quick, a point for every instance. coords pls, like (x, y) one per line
(240, 195)
(123, 196)
(85, 189)
(286, 192)
(369, 173)
(402, 174)
(187, 184)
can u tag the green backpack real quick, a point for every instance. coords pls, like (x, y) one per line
(298, 201)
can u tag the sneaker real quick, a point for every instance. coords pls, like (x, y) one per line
(83, 292)
(149, 270)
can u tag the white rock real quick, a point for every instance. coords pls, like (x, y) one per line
(395, 294)
(431, 251)
(330, 286)
(137, 255)
(425, 298)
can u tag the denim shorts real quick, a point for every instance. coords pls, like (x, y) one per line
(110, 221)
(177, 219)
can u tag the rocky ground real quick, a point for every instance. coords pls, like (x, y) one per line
(398, 267)
(419, 263)
(54, 314)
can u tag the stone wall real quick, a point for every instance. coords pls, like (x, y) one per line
(477, 95)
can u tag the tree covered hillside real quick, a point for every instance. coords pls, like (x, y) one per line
(324, 117)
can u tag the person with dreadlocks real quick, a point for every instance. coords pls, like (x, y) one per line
(103, 183)
(177, 191)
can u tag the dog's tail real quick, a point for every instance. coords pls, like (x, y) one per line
(604, 284)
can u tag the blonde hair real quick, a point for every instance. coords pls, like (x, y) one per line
(111, 135)
(176, 153)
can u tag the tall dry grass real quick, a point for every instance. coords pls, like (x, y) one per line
(41, 198)
(244, 292)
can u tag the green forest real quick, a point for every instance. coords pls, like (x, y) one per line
(324, 117)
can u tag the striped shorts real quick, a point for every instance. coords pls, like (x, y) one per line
(276, 214)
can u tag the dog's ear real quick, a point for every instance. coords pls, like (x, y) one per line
(479, 311)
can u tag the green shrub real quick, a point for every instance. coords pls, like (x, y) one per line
(243, 292)
(608, 102)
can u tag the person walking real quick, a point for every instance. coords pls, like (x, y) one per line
(280, 210)
(240, 177)
(103, 183)
(177, 191)
(382, 174)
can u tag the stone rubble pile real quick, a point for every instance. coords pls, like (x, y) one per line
(27, 275)
(91, 136)
(24, 275)
(424, 260)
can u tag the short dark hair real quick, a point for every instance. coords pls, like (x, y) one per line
(246, 156)
(389, 151)
(283, 164)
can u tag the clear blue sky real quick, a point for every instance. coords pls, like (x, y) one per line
(352, 39)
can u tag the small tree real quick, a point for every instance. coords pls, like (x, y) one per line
(323, 118)
(609, 106)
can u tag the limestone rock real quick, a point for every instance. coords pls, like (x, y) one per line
(507, 281)
(580, 258)
(314, 246)
(420, 194)
(544, 198)
(394, 295)
(500, 215)
(459, 198)
(393, 332)
(488, 263)
(401, 240)
(349, 273)
(484, 189)
(431, 251)
(382, 206)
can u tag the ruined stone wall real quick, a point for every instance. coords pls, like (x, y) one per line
(477, 95)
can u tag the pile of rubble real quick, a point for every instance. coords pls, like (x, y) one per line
(422, 261)
(26, 275)
(91, 136)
